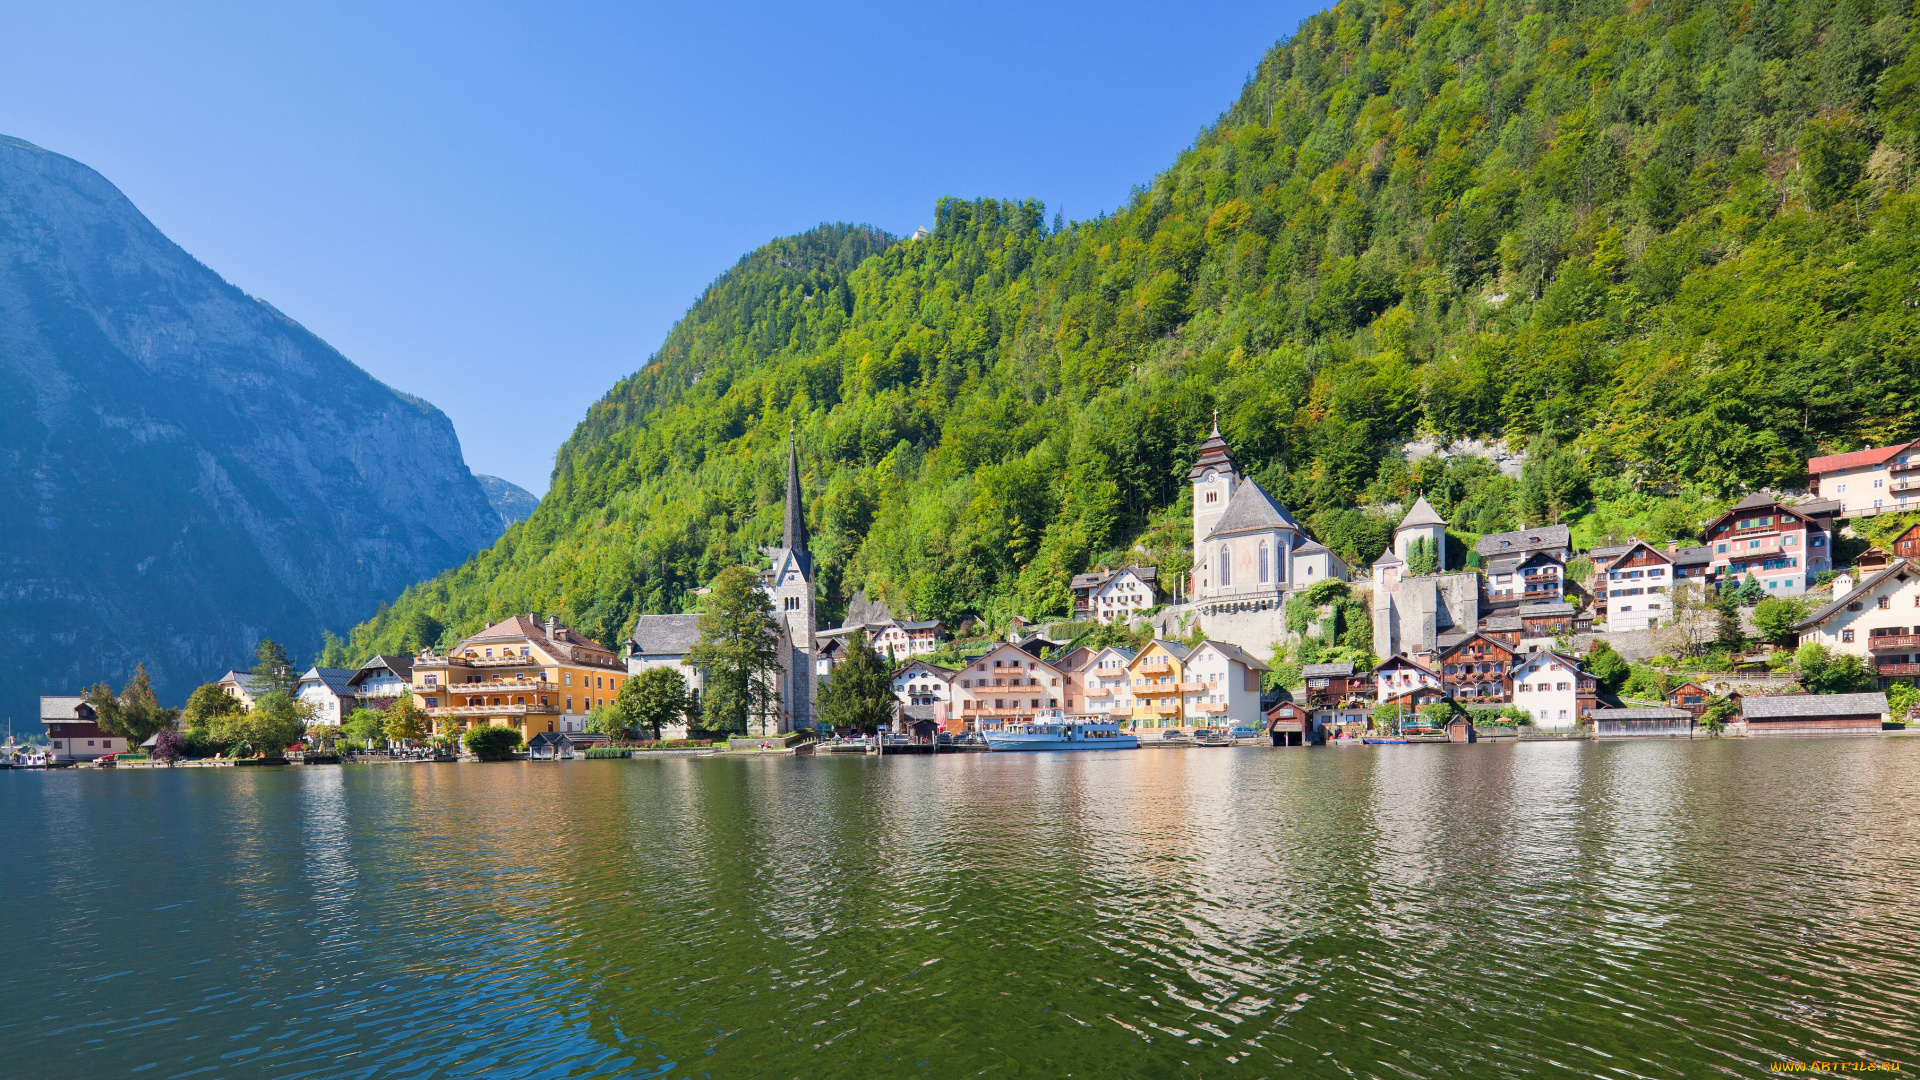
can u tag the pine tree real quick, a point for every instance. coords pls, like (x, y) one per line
(739, 649)
(272, 669)
(860, 694)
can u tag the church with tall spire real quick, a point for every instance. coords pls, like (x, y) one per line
(789, 582)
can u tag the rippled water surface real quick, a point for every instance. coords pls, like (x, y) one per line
(1547, 909)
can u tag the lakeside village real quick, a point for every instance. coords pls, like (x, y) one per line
(1521, 637)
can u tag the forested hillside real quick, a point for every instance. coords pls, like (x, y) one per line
(1670, 249)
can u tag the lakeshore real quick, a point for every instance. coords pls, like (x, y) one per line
(1667, 909)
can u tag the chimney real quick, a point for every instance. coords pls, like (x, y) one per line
(1842, 585)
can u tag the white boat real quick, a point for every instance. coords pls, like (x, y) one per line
(32, 759)
(1053, 730)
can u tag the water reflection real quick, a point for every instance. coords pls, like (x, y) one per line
(1621, 909)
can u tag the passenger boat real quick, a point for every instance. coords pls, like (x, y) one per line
(1052, 730)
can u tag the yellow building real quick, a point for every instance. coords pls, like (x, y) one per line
(1158, 686)
(522, 672)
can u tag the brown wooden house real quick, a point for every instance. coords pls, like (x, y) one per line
(1289, 724)
(1333, 683)
(1690, 696)
(1815, 714)
(1477, 669)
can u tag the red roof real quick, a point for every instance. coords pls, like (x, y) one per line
(1836, 462)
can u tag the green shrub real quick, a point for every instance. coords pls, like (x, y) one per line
(608, 752)
(493, 743)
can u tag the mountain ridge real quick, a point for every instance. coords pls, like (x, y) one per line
(188, 468)
(1669, 249)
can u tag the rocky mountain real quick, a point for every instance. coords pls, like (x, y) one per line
(509, 500)
(184, 469)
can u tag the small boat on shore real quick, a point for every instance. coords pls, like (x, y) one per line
(1054, 731)
(1385, 739)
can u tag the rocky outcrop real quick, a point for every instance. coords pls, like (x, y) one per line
(509, 500)
(183, 468)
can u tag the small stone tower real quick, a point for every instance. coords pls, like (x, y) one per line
(1422, 523)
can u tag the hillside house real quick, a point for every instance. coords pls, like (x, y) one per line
(1123, 594)
(1400, 675)
(1863, 483)
(1105, 684)
(1636, 583)
(1220, 686)
(1475, 670)
(1782, 546)
(1334, 683)
(1878, 620)
(381, 680)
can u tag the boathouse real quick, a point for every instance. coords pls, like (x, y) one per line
(1289, 724)
(1816, 714)
(1642, 723)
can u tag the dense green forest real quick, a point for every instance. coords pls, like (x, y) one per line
(1669, 249)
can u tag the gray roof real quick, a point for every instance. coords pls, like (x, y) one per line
(1866, 585)
(1812, 706)
(1451, 638)
(664, 635)
(1388, 558)
(1693, 556)
(1321, 671)
(548, 738)
(1755, 500)
(60, 708)
(1421, 513)
(1233, 652)
(245, 680)
(1504, 564)
(398, 664)
(1309, 546)
(1818, 507)
(1535, 611)
(1174, 648)
(1544, 538)
(338, 680)
(1500, 623)
(1645, 713)
(1252, 508)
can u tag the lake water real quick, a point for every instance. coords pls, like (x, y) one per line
(1619, 910)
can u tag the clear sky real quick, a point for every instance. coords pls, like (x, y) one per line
(504, 207)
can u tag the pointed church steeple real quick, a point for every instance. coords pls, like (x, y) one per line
(795, 537)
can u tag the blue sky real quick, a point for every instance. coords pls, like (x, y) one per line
(504, 208)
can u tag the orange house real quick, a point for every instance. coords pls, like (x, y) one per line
(537, 676)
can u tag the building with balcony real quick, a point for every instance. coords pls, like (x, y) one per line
(1399, 676)
(1877, 620)
(1007, 685)
(1637, 585)
(1105, 684)
(1159, 687)
(1123, 594)
(1528, 578)
(522, 672)
(1477, 669)
(1333, 684)
(1782, 546)
(1220, 686)
(1863, 483)
(1553, 541)
(382, 679)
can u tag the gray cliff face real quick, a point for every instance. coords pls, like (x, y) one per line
(509, 500)
(184, 469)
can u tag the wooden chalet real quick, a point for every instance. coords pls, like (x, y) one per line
(1691, 697)
(1478, 669)
(1333, 683)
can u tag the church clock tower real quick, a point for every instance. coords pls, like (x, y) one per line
(789, 583)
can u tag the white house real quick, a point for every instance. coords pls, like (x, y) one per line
(921, 683)
(329, 692)
(1400, 675)
(242, 686)
(1551, 688)
(1106, 685)
(1878, 619)
(1225, 685)
(665, 641)
(1125, 595)
(1637, 583)
(382, 678)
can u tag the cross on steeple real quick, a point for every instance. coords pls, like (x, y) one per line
(1216, 423)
